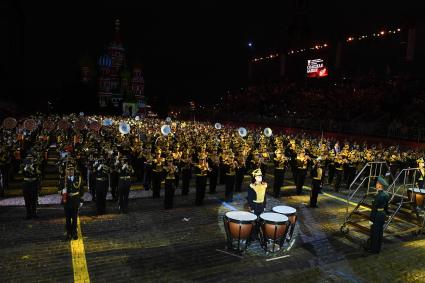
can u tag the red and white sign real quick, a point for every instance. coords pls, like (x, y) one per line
(316, 68)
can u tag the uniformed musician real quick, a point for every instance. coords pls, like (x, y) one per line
(378, 215)
(72, 196)
(257, 193)
(31, 186)
(125, 171)
(316, 183)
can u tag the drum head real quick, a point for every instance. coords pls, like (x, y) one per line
(274, 217)
(241, 216)
(283, 209)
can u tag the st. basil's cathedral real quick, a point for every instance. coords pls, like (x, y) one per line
(117, 86)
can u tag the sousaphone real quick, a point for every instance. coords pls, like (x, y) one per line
(124, 128)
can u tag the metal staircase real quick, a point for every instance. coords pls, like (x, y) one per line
(403, 217)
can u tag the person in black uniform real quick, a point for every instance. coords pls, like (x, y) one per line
(331, 167)
(378, 215)
(114, 176)
(302, 163)
(201, 171)
(230, 177)
(279, 172)
(240, 172)
(185, 163)
(125, 171)
(316, 183)
(147, 156)
(31, 185)
(339, 171)
(72, 196)
(213, 162)
(157, 171)
(170, 170)
(256, 197)
(102, 171)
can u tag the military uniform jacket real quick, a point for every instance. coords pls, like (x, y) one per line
(257, 194)
(379, 207)
(74, 190)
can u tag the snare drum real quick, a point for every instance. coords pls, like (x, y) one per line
(239, 226)
(417, 196)
(291, 213)
(273, 231)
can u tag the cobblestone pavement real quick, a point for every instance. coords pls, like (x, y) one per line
(186, 244)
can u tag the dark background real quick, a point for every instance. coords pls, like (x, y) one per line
(186, 50)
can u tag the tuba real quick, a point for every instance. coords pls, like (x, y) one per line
(217, 126)
(124, 128)
(165, 130)
(268, 132)
(242, 132)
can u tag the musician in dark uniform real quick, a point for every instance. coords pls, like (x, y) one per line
(102, 171)
(114, 176)
(147, 156)
(339, 171)
(72, 196)
(213, 163)
(302, 163)
(157, 171)
(170, 171)
(257, 193)
(240, 172)
(4, 168)
(201, 171)
(185, 163)
(230, 165)
(125, 171)
(316, 183)
(31, 186)
(378, 215)
(279, 172)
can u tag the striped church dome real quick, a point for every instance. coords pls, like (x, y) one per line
(105, 61)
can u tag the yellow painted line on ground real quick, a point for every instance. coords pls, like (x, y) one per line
(79, 263)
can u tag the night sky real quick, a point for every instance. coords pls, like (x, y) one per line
(187, 51)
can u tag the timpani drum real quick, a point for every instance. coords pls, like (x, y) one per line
(289, 212)
(239, 226)
(417, 196)
(273, 230)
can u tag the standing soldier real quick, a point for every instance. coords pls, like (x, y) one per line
(125, 171)
(102, 171)
(72, 196)
(114, 176)
(185, 163)
(257, 193)
(147, 179)
(201, 179)
(279, 172)
(302, 163)
(240, 172)
(339, 170)
(170, 171)
(316, 182)
(230, 177)
(214, 162)
(31, 185)
(377, 215)
(157, 170)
